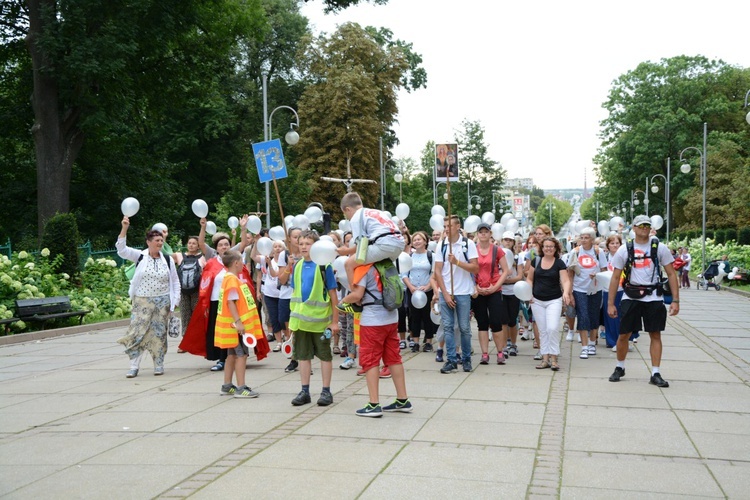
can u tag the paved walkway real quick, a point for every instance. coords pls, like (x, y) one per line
(72, 426)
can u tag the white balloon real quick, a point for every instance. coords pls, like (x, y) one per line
(402, 211)
(731, 275)
(631, 235)
(404, 262)
(388, 214)
(573, 228)
(313, 214)
(511, 225)
(657, 221)
(603, 279)
(431, 246)
(289, 221)
(396, 220)
(265, 246)
(210, 227)
(276, 233)
(583, 224)
(614, 223)
(233, 222)
(505, 218)
(435, 317)
(254, 224)
(130, 207)
(436, 222)
(340, 271)
(326, 237)
(200, 208)
(488, 218)
(345, 225)
(522, 290)
(301, 222)
(159, 226)
(603, 228)
(323, 252)
(419, 299)
(471, 223)
(497, 231)
(438, 210)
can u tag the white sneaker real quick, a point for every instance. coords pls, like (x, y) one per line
(592, 350)
(614, 349)
(348, 363)
(630, 346)
(578, 337)
(569, 337)
(584, 353)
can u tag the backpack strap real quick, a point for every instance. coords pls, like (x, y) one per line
(429, 257)
(163, 256)
(323, 276)
(493, 269)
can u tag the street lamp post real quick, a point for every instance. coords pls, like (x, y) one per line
(636, 201)
(399, 177)
(291, 137)
(630, 203)
(685, 168)
(550, 207)
(597, 204)
(445, 195)
(655, 189)
(479, 200)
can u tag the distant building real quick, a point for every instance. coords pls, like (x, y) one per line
(520, 183)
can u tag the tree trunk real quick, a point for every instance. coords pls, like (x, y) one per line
(57, 137)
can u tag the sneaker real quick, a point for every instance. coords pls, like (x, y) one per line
(617, 374)
(370, 411)
(325, 399)
(228, 390)
(385, 372)
(402, 344)
(631, 346)
(614, 349)
(513, 351)
(218, 367)
(344, 352)
(467, 365)
(438, 356)
(427, 347)
(584, 353)
(506, 352)
(347, 364)
(302, 398)
(245, 392)
(361, 371)
(524, 334)
(569, 336)
(449, 367)
(292, 366)
(658, 381)
(500, 358)
(578, 338)
(159, 370)
(404, 407)
(349, 308)
(485, 359)
(414, 347)
(277, 347)
(566, 328)
(592, 350)
(508, 343)
(132, 373)
(411, 344)
(538, 355)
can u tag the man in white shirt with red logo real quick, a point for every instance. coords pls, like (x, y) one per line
(643, 306)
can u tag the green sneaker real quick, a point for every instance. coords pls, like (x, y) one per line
(228, 390)
(349, 308)
(404, 407)
(370, 411)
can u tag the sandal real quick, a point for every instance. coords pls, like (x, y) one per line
(336, 350)
(554, 366)
(543, 365)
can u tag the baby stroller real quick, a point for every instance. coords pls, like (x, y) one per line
(706, 278)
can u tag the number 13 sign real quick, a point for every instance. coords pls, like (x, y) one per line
(269, 159)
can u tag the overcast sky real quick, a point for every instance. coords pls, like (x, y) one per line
(535, 74)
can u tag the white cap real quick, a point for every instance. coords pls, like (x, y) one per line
(508, 235)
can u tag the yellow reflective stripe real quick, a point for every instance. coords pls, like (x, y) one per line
(311, 319)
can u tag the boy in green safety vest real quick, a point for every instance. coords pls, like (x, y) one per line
(313, 319)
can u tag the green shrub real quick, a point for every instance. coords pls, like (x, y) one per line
(709, 234)
(721, 236)
(62, 238)
(743, 238)
(731, 234)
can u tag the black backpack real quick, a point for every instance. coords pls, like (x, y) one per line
(189, 272)
(662, 284)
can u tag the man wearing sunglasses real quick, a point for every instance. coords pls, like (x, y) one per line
(646, 312)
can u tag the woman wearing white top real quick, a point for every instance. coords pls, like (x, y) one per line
(154, 293)
(510, 301)
(269, 266)
(418, 278)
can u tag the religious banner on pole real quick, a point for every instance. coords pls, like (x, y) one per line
(446, 162)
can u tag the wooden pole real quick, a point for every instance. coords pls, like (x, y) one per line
(450, 221)
(281, 210)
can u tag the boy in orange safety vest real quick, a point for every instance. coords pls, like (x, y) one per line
(236, 317)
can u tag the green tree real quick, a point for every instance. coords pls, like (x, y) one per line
(349, 104)
(560, 213)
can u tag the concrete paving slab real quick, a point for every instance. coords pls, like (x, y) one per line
(634, 474)
(393, 486)
(611, 439)
(626, 418)
(467, 432)
(715, 422)
(633, 399)
(722, 446)
(491, 411)
(56, 448)
(114, 421)
(17, 476)
(386, 427)
(733, 478)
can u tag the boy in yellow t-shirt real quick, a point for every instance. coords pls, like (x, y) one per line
(236, 315)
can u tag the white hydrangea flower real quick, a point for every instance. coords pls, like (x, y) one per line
(23, 255)
(45, 252)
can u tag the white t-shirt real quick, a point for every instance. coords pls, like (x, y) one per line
(218, 280)
(374, 315)
(589, 263)
(270, 286)
(643, 272)
(463, 282)
(513, 261)
(376, 225)
(286, 290)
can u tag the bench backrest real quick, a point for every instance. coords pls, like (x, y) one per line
(49, 305)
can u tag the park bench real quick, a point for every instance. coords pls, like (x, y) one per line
(46, 309)
(7, 323)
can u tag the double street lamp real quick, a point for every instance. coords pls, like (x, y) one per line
(479, 200)
(685, 168)
(550, 207)
(636, 201)
(655, 189)
(291, 137)
(630, 205)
